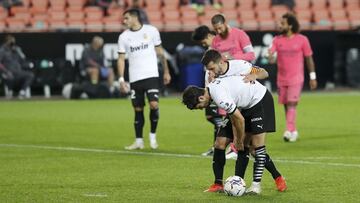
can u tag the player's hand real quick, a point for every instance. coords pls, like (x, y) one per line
(239, 145)
(124, 87)
(313, 84)
(249, 78)
(167, 78)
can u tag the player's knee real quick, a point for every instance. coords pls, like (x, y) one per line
(154, 105)
(220, 143)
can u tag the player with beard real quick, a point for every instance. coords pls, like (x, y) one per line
(232, 43)
(291, 48)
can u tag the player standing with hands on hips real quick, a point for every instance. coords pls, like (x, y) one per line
(291, 48)
(142, 44)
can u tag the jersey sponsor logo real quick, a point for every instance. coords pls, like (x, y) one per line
(142, 46)
(256, 119)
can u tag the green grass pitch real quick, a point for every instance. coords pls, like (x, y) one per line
(72, 151)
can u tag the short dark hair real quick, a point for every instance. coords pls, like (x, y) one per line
(292, 20)
(201, 32)
(133, 12)
(211, 55)
(218, 18)
(191, 96)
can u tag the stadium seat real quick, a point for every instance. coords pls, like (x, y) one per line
(171, 15)
(278, 11)
(352, 4)
(154, 15)
(26, 16)
(153, 5)
(40, 3)
(172, 26)
(2, 26)
(305, 14)
(267, 25)
(188, 13)
(159, 24)
(336, 4)
(94, 25)
(247, 15)
(302, 4)
(112, 24)
(3, 14)
(262, 4)
(15, 24)
(209, 12)
(250, 25)
(38, 10)
(57, 5)
(78, 25)
(318, 4)
(305, 24)
(171, 4)
(57, 15)
(55, 25)
(75, 15)
(322, 20)
(44, 16)
(93, 13)
(39, 25)
(190, 24)
(18, 9)
(245, 5)
(354, 18)
(76, 4)
(229, 4)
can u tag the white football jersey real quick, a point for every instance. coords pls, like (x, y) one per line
(140, 47)
(229, 91)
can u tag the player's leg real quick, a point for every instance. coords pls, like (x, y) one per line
(223, 138)
(242, 159)
(213, 117)
(152, 93)
(93, 73)
(138, 103)
(293, 97)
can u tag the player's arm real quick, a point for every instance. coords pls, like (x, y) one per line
(311, 68)
(121, 70)
(246, 46)
(161, 55)
(238, 123)
(256, 73)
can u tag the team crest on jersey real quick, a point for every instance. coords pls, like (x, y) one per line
(145, 36)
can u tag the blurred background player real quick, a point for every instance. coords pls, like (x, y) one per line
(291, 48)
(12, 68)
(142, 44)
(232, 43)
(92, 63)
(204, 36)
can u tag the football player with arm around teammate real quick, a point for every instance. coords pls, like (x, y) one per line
(142, 44)
(251, 110)
(291, 48)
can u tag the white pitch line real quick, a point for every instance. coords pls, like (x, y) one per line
(166, 154)
(95, 195)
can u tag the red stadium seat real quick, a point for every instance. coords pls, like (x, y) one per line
(267, 25)
(247, 15)
(245, 5)
(3, 14)
(93, 25)
(262, 4)
(153, 5)
(93, 13)
(2, 26)
(229, 4)
(318, 4)
(158, 24)
(15, 24)
(40, 3)
(322, 20)
(171, 4)
(171, 15)
(57, 5)
(354, 18)
(57, 15)
(173, 25)
(302, 4)
(154, 15)
(249, 25)
(76, 24)
(112, 25)
(278, 11)
(336, 4)
(305, 24)
(190, 24)
(57, 25)
(75, 15)
(39, 25)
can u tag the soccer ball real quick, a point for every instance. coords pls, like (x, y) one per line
(234, 186)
